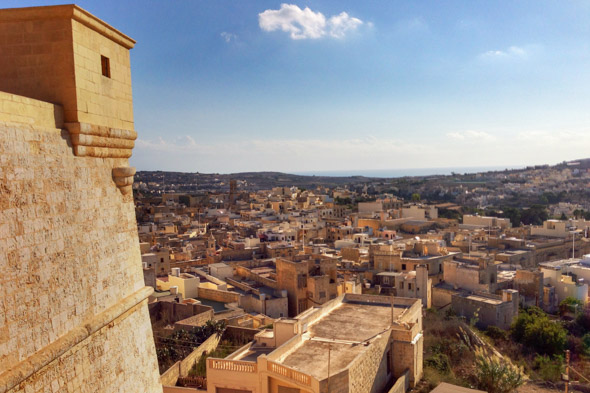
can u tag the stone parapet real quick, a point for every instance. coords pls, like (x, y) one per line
(68, 11)
(18, 109)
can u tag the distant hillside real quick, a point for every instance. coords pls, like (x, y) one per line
(249, 180)
(193, 182)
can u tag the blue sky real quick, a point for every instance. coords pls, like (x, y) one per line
(230, 86)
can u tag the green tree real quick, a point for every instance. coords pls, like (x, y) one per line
(513, 214)
(534, 329)
(415, 197)
(535, 215)
(569, 304)
(342, 201)
(546, 336)
(184, 199)
(450, 214)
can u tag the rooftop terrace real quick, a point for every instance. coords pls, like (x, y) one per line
(343, 333)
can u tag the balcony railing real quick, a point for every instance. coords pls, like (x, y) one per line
(232, 365)
(289, 373)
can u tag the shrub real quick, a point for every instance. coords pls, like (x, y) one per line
(496, 333)
(495, 374)
(586, 343)
(440, 362)
(583, 319)
(432, 377)
(450, 313)
(181, 343)
(576, 345)
(547, 368)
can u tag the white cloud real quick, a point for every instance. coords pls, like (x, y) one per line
(228, 37)
(305, 23)
(513, 52)
(340, 24)
(471, 136)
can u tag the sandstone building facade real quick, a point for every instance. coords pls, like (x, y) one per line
(74, 310)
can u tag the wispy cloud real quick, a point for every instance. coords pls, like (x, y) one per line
(467, 24)
(414, 25)
(307, 24)
(228, 37)
(187, 143)
(471, 136)
(569, 139)
(476, 147)
(511, 53)
(274, 154)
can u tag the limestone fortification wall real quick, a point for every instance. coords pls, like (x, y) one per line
(74, 315)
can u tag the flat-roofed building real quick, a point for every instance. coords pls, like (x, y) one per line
(568, 276)
(485, 221)
(354, 343)
(551, 228)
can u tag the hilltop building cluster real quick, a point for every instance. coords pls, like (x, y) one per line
(285, 250)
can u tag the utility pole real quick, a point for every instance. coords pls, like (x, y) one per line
(329, 349)
(303, 239)
(391, 310)
(567, 370)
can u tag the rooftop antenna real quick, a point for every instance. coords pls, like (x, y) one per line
(390, 255)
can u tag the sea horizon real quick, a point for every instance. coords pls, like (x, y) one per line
(402, 172)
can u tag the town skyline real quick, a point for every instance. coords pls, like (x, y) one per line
(308, 86)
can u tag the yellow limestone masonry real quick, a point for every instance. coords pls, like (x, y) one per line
(73, 308)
